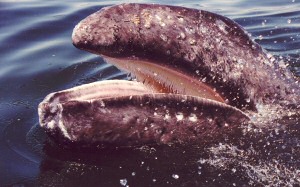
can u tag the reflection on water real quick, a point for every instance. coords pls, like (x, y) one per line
(37, 58)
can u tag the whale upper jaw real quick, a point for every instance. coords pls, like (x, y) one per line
(203, 45)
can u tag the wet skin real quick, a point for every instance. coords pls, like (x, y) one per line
(199, 75)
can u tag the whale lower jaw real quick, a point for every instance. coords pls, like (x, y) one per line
(134, 116)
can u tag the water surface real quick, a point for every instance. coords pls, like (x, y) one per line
(37, 57)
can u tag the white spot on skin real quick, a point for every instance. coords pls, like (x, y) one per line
(167, 116)
(179, 116)
(182, 35)
(63, 129)
(127, 118)
(193, 118)
(157, 17)
(51, 124)
(192, 41)
(61, 125)
(162, 24)
(221, 26)
(203, 29)
(180, 19)
(164, 37)
(102, 103)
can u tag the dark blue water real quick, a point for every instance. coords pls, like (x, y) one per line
(37, 57)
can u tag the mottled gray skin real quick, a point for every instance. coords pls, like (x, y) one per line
(202, 44)
(143, 119)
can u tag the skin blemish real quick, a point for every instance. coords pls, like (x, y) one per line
(179, 116)
(51, 124)
(180, 19)
(136, 20)
(192, 41)
(167, 117)
(193, 118)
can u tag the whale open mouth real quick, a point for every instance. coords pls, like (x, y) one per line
(183, 91)
(162, 79)
(148, 110)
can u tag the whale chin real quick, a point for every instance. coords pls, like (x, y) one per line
(197, 75)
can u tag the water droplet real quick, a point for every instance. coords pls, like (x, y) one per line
(133, 173)
(175, 176)
(123, 182)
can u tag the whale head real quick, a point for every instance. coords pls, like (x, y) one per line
(198, 75)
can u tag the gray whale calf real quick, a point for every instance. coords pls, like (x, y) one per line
(198, 75)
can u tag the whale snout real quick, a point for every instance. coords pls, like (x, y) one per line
(91, 34)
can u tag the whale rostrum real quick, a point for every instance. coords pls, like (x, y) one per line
(197, 75)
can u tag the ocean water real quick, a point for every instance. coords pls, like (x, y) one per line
(37, 57)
